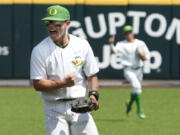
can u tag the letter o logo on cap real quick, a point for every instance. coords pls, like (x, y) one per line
(52, 11)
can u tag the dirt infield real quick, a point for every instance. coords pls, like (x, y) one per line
(146, 83)
(103, 83)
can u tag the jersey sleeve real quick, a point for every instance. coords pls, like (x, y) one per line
(37, 66)
(90, 66)
(146, 50)
(118, 48)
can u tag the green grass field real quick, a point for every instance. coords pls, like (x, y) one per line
(21, 112)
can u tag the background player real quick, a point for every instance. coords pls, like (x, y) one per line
(132, 53)
(58, 65)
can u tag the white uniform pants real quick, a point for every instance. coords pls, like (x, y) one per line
(134, 77)
(60, 120)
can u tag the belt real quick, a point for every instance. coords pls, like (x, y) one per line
(133, 68)
(65, 100)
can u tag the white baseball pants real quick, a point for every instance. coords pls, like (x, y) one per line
(134, 77)
(60, 120)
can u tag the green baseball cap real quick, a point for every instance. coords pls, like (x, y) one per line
(57, 13)
(127, 28)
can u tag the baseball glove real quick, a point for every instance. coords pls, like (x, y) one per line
(140, 51)
(82, 105)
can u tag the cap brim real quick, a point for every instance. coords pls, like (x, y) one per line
(52, 19)
(127, 31)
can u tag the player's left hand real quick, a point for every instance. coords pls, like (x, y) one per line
(95, 105)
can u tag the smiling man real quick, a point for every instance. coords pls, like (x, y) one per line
(60, 65)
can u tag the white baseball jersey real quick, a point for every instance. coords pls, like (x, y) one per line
(51, 62)
(127, 52)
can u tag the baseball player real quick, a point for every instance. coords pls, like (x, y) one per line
(132, 52)
(60, 65)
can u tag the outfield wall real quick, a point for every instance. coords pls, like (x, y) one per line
(157, 22)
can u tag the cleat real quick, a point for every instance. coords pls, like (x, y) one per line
(142, 115)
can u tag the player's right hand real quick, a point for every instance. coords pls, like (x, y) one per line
(70, 80)
(112, 39)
